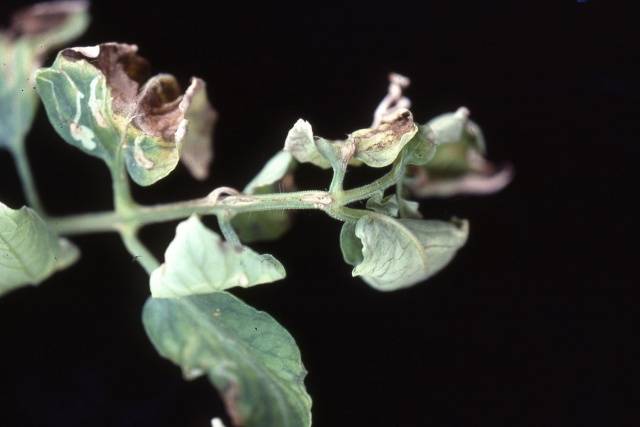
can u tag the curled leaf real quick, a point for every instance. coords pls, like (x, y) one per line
(275, 176)
(98, 99)
(459, 165)
(379, 146)
(34, 31)
(198, 261)
(391, 254)
(300, 143)
(197, 147)
(29, 251)
(251, 359)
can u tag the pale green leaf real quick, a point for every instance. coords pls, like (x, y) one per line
(350, 245)
(386, 205)
(33, 33)
(380, 146)
(252, 360)
(398, 253)
(449, 127)
(275, 177)
(198, 261)
(29, 251)
(18, 100)
(300, 143)
(100, 106)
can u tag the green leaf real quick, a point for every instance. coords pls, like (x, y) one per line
(350, 245)
(449, 127)
(422, 147)
(398, 253)
(393, 205)
(34, 32)
(198, 261)
(252, 360)
(300, 143)
(276, 176)
(379, 147)
(385, 205)
(96, 100)
(29, 251)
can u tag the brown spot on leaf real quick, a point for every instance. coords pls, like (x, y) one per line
(158, 106)
(230, 396)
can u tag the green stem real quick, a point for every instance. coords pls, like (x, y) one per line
(26, 177)
(224, 221)
(382, 183)
(138, 250)
(143, 215)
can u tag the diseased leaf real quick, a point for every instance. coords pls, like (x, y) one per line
(300, 143)
(33, 33)
(252, 360)
(198, 261)
(398, 253)
(97, 100)
(275, 176)
(197, 147)
(421, 149)
(459, 165)
(29, 251)
(378, 147)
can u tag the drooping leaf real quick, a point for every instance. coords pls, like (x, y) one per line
(459, 165)
(378, 147)
(252, 360)
(97, 100)
(300, 143)
(29, 251)
(33, 33)
(198, 261)
(197, 147)
(276, 176)
(398, 253)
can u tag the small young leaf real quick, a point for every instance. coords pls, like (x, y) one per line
(400, 253)
(276, 176)
(198, 261)
(29, 251)
(97, 100)
(252, 360)
(378, 147)
(33, 33)
(448, 127)
(300, 143)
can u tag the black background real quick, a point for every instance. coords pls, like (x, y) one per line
(530, 325)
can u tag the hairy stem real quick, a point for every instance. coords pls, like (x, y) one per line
(382, 183)
(143, 215)
(26, 177)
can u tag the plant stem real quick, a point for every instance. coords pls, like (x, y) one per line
(142, 215)
(382, 183)
(19, 153)
(138, 250)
